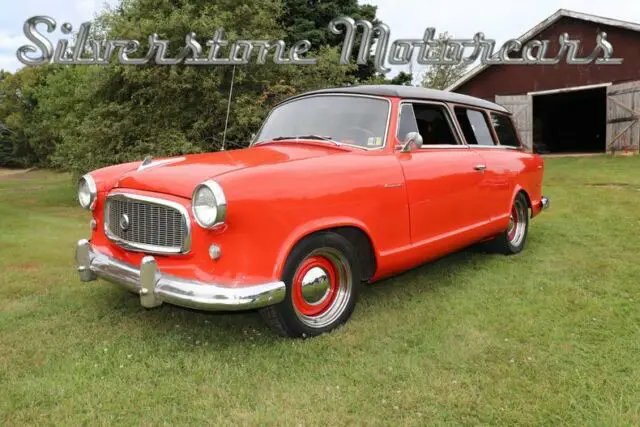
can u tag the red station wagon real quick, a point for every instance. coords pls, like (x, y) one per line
(340, 187)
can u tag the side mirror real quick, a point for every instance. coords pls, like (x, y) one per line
(412, 142)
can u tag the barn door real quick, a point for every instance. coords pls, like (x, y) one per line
(521, 107)
(623, 117)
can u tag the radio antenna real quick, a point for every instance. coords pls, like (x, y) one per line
(226, 122)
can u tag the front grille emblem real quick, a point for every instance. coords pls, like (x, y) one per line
(124, 222)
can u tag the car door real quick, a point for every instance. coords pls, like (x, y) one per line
(442, 177)
(501, 164)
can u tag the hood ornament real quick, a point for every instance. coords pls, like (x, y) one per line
(148, 162)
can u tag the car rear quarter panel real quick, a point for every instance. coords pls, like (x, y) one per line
(515, 169)
(529, 179)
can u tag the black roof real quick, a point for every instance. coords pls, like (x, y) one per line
(411, 92)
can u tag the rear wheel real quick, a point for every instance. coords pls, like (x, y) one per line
(512, 240)
(322, 276)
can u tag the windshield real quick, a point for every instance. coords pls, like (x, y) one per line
(351, 120)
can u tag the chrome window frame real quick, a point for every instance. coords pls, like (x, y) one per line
(355, 95)
(141, 247)
(453, 125)
(499, 147)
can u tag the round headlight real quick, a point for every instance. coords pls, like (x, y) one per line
(87, 192)
(209, 204)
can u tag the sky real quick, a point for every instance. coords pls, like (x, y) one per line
(498, 19)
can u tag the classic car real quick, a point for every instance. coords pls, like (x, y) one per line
(339, 188)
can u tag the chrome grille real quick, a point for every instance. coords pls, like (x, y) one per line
(147, 224)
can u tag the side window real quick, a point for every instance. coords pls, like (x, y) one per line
(474, 126)
(507, 134)
(431, 121)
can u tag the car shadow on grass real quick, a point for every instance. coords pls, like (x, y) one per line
(233, 328)
(423, 280)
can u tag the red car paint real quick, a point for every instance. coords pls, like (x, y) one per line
(414, 207)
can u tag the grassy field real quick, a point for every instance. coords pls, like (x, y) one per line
(548, 337)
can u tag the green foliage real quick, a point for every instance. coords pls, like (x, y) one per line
(22, 141)
(79, 118)
(309, 20)
(402, 78)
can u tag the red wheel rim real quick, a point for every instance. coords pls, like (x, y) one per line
(513, 224)
(302, 305)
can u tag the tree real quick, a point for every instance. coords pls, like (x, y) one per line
(442, 76)
(110, 114)
(24, 142)
(402, 78)
(80, 118)
(309, 20)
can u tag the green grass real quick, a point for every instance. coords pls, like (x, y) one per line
(548, 337)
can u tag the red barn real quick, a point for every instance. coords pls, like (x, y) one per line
(564, 107)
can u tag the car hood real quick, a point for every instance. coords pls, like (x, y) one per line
(180, 175)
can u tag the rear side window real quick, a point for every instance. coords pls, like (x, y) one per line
(474, 126)
(504, 129)
(430, 120)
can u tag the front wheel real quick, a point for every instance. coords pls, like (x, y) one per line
(512, 240)
(323, 280)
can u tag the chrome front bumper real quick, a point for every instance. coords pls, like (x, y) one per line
(154, 287)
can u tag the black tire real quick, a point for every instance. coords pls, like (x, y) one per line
(330, 259)
(513, 240)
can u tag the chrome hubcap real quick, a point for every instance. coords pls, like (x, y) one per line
(315, 286)
(518, 223)
(321, 287)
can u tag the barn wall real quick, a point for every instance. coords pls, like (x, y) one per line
(521, 79)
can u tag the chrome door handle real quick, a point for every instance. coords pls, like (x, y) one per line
(480, 167)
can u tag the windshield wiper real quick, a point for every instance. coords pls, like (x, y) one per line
(311, 136)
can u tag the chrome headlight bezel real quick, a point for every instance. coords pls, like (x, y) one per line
(87, 192)
(219, 204)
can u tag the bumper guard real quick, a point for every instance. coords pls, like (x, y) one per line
(155, 288)
(544, 202)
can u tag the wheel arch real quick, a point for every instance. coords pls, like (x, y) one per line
(518, 190)
(354, 231)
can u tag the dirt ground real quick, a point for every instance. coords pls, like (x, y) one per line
(7, 172)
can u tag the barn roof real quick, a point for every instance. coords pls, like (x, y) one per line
(411, 92)
(562, 13)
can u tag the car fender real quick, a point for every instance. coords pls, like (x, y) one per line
(316, 225)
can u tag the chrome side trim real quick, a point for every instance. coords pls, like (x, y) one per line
(445, 146)
(140, 247)
(499, 147)
(156, 288)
